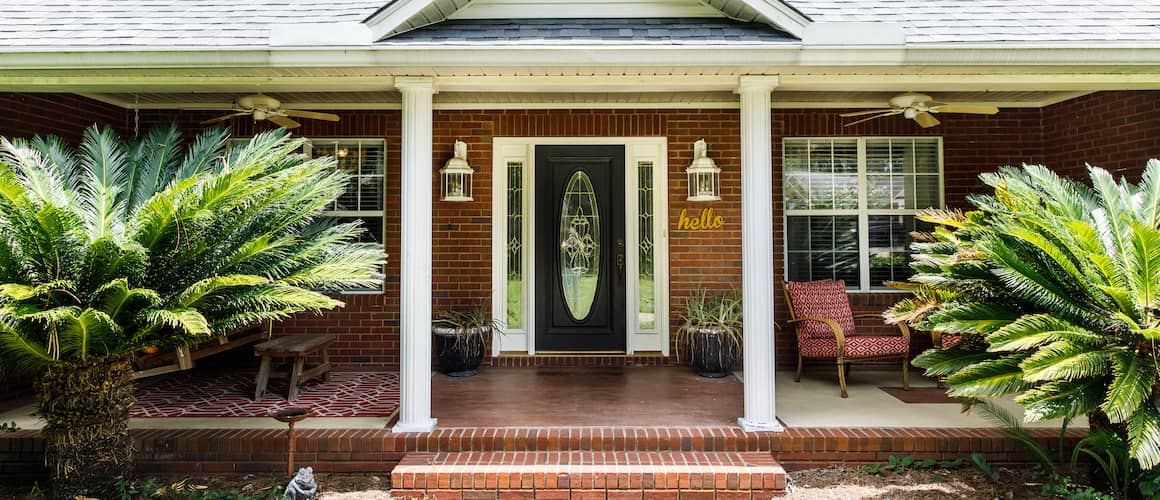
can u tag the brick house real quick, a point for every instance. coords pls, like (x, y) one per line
(628, 87)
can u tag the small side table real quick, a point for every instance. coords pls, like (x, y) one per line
(296, 347)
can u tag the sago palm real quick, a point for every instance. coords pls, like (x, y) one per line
(1056, 286)
(116, 247)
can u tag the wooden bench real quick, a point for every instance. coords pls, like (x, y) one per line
(296, 347)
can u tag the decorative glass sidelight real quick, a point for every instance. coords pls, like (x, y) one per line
(515, 245)
(579, 245)
(646, 305)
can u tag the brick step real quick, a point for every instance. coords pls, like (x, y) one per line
(588, 475)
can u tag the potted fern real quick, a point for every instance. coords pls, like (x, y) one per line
(711, 331)
(461, 338)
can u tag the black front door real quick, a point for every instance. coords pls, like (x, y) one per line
(580, 248)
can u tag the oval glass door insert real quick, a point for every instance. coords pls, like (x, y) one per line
(579, 245)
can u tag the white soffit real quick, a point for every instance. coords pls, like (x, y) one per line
(404, 15)
(540, 100)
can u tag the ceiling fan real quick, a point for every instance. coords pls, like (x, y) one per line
(921, 108)
(264, 107)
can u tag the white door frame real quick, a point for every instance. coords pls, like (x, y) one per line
(637, 150)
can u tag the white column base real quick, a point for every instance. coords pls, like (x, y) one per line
(749, 426)
(402, 428)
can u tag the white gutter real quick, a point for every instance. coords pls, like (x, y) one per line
(450, 56)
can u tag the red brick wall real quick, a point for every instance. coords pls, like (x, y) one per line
(1068, 132)
(63, 115)
(1118, 131)
(971, 144)
(368, 326)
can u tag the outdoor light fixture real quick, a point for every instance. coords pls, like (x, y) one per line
(704, 176)
(456, 175)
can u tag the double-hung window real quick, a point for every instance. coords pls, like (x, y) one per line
(365, 161)
(850, 206)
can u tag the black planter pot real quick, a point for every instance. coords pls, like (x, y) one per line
(712, 355)
(460, 353)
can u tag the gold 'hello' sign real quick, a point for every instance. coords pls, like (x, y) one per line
(706, 221)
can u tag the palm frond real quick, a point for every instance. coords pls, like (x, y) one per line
(991, 378)
(104, 163)
(1067, 360)
(1144, 436)
(1035, 330)
(1132, 382)
(1061, 399)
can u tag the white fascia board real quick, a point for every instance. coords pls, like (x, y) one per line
(388, 20)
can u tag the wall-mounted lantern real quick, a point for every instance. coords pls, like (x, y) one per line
(704, 176)
(456, 176)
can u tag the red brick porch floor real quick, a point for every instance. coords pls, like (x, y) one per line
(647, 410)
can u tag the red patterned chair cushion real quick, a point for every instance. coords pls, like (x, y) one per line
(820, 299)
(862, 346)
(949, 339)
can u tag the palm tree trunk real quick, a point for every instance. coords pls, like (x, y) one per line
(85, 407)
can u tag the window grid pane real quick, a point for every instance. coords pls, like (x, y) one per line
(646, 308)
(829, 249)
(365, 161)
(515, 247)
(820, 190)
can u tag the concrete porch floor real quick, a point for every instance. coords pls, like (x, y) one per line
(632, 397)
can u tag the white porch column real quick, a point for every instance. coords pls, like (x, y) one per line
(415, 258)
(757, 251)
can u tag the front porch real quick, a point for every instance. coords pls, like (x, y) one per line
(210, 397)
(574, 429)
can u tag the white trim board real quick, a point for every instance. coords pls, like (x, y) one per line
(637, 149)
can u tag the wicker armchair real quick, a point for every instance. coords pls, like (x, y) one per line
(821, 315)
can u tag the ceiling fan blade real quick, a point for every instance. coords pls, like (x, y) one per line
(926, 120)
(891, 113)
(965, 108)
(311, 114)
(868, 112)
(282, 121)
(224, 118)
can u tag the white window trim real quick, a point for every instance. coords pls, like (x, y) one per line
(637, 149)
(863, 214)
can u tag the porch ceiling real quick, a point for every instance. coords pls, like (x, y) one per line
(390, 99)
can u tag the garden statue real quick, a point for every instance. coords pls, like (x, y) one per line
(302, 487)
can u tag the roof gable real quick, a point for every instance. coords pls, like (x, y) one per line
(400, 16)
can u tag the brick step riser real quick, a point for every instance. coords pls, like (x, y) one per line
(583, 495)
(378, 450)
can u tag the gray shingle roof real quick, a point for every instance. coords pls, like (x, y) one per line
(981, 21)
(137, 24)
(164, 23)
(668, 31)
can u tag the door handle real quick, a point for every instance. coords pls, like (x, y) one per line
(620, 260)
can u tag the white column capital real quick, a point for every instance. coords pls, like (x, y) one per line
(757, 83)
(416, 84)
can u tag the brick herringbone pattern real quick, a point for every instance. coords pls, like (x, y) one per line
(226, 394)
